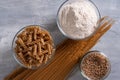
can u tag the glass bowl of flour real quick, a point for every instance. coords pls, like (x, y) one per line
(77, 19)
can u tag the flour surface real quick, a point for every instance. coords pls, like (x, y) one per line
(78, 18)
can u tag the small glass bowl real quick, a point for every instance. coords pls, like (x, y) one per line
(19, 61)
(63, 32)
(90, 52)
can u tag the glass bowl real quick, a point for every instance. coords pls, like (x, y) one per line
(64, 32)
(19, 61)
(90, 52)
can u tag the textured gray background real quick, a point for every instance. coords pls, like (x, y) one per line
(15, 14)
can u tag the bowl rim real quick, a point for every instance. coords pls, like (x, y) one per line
(68, 36)
(19, 61)
(98, 52)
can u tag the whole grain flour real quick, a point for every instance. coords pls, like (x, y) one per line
(78, 18)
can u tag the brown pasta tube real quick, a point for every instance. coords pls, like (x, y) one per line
(41, 59)
(45, 58)
(29, 38)
(35, 32)
(39, 49)
(42, 41)
(35, 50)
(45, 52)
(20, 41)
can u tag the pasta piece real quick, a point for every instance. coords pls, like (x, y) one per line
(35, 32)
(29, 38)
(41, 59)
(35, 50)
(20, 41)
(45, 58)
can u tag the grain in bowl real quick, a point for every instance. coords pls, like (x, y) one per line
(95, 66)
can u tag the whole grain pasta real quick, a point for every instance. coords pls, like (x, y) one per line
(67, 55)
(32, 44)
